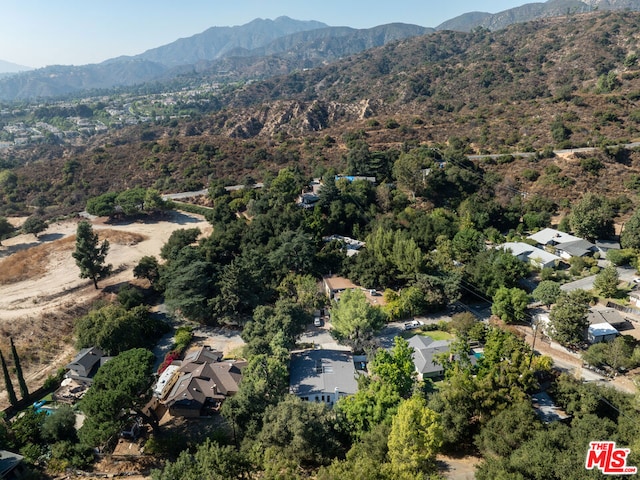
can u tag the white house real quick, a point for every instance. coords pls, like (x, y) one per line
(528, 253)
(564, 244)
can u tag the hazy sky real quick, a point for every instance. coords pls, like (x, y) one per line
(37, 33)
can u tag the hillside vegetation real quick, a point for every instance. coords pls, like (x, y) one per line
(557, 83)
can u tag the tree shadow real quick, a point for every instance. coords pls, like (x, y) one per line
(172, 216)
(7, 250)
(50, 237)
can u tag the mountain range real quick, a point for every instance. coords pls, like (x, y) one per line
(260, 49)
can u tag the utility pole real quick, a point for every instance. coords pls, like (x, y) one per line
(534, 327)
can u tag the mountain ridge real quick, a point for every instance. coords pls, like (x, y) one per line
(285, 52)
(533, 11)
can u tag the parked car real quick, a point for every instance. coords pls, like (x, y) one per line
(317, 322)
(412, 324)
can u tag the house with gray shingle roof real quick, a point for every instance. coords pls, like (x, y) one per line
(85, 365)
(424, 351)
(564, 244)
(322, 375)
(202, 382)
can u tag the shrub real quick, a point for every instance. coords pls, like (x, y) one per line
(168, 360)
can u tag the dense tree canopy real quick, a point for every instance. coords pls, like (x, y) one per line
(547, 292)
(119, 385)
(115, 329)
(354, 320)
(569, 317)
(592, 218)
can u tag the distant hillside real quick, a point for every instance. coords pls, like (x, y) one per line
(533, 11)
(8, 67)
(501, 88)
(553, 83)
(258, 50)
(217, 42)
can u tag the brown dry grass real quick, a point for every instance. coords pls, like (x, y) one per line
(29, 263)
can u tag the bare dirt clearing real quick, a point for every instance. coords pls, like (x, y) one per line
(41, 293)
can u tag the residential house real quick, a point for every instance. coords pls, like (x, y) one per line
(353, 178)
(11, 466)
(322, 375)
(334, 285)
(605, 245)
(563, 244)
(200, 383)
(351, 245)
(425, 350)
(600, 328)
(85, 365)
(529, 254)
(310, 195)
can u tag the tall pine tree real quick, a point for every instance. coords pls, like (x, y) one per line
(13, 400)
(24, 391)
(90, 255)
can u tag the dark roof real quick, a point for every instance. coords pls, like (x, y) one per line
(322, 371)
(201, 355)
(578, 248)
(87, 362)
(8, 461)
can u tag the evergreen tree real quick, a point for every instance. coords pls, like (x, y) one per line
(24, 391)
(13, 400)
(89, 255)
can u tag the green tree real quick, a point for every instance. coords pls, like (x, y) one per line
(5, 228)
(409, 172)
(177, 241)
(547, 292)
(301, 431)
(374, 403)
(265, 381)
(354, 320)
(120, 385)
(508, 430)
(396, 367)
(153, 201)
(495, 268)
(13, 400)
(103, 205)
(131, 201)
(89, 255)
(302, 289)
(630, 235)
(115, 329)
(210, 461)
(415, 438)
(24, 391)
(510, 304)
(188, 285)
(467, 243)
(61, 425)
(462, 323)
(568, 317)
(607, 281)
(149, 268)
(592, 217)
(284, 321)
(34, 225)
